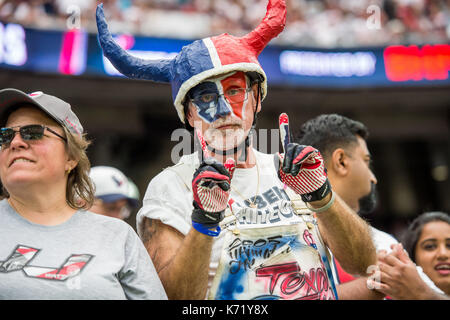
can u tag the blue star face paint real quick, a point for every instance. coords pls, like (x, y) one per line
(209, 102)
(221, 97)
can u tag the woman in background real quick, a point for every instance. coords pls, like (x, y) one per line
(425, 243)
(50, 246)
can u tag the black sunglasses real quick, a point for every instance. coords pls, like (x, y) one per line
(28, 132)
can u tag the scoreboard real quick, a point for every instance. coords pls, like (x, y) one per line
(76, 52)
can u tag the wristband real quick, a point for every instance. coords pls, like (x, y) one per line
(203, 229)
(325, 207)
(318, 194)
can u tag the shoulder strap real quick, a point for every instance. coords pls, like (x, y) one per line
(301, 209)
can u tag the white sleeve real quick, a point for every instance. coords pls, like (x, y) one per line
(428, 281)
(167, 199)
(382, 240)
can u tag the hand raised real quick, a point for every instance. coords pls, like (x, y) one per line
(211, 185)
(301, 167)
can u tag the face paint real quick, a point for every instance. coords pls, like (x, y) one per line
(205, 97)
(232, 87)
(221, 96)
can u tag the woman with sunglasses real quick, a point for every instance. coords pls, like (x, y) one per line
(50, 246)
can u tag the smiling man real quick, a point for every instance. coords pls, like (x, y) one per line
(229, 222)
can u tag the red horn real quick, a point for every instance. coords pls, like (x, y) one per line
(270, 27)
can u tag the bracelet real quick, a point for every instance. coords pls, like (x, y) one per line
(202, 229)
(325, 207)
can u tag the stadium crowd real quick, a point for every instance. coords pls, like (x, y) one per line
(316, 23)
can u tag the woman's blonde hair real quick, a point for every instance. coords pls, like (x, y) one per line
(80, 190)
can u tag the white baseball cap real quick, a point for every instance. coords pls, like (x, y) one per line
(133, 191)
(111, 185)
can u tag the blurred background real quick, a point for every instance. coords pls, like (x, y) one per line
(383, 62)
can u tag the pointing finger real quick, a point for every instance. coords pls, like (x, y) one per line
(283, 122)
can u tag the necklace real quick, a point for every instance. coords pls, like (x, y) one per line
(252, 202)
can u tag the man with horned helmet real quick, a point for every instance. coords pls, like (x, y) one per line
(229, 222)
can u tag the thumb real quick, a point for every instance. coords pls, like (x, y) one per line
(278, 160)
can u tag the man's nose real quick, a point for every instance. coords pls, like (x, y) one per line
(373, 178)
(223, 108)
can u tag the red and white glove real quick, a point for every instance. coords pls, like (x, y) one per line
(302, 168)
(211, 187)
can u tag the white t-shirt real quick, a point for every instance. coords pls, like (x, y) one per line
(169, 198)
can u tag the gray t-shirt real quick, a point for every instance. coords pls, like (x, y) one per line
(89, 256)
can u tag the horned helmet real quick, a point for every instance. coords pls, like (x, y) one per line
(200, 60)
